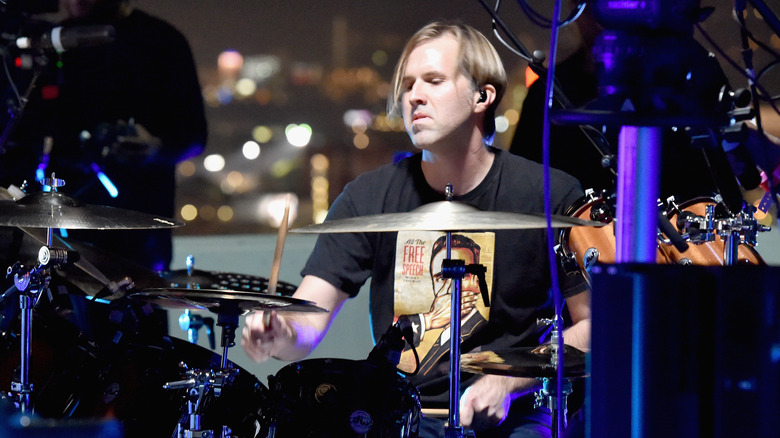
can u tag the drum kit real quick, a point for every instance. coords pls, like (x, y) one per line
(203, 394)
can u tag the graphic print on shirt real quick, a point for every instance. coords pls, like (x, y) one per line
(424, 297)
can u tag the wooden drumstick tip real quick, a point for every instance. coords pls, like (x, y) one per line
(274, 279)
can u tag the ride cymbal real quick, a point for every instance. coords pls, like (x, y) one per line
(443, 216)
(524, 362)
(55, 210)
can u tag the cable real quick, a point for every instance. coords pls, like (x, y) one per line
(736, 66)
(544, 22)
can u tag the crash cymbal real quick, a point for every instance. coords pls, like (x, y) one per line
(443, 216)
(524, 362)
(220, 301)
(55, 210)
(199, 279)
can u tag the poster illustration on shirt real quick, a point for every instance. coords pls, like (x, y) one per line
(424, 297)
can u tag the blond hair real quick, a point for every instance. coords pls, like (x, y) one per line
(477, 58)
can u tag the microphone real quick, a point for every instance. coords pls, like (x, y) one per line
(61, 38)
(391, 344)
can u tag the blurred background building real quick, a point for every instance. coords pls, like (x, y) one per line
(296, 95)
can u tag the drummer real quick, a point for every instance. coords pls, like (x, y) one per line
(447, 86)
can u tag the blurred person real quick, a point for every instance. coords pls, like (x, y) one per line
(130, 109)
(447, 85)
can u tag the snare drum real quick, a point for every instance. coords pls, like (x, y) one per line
(706, 253)
(342, 398)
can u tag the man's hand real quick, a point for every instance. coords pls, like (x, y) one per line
(263, 339)
(439, 315)
(486, 403)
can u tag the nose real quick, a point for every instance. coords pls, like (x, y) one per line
(416, 94)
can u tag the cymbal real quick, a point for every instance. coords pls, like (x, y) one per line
(221, 301)
(55, 210)
(443, 216)
(524, 362)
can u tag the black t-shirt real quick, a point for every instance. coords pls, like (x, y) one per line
(520, 284)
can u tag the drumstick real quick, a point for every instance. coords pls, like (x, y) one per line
(274, 279)
(435, 412)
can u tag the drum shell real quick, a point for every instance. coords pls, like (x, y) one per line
(121, 377)
(588, 245)
(707, 253)
(342, 398)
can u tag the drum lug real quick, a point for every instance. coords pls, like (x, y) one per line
(590, 258)
(568, 261)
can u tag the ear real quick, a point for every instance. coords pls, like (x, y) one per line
(484, 97)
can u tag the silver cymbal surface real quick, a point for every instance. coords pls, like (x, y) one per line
(55, 210)
(524, 362)
(443, 216)
(222, 301)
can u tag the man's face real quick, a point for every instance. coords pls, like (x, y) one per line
(438, 99)
(442, 285)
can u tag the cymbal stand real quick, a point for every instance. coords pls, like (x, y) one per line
(31, 283)
(455, 270)
(552, 387)
(202, 383)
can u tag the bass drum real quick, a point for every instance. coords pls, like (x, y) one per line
(707, 253)
(120, 377)
(341, 398)
(583, 247)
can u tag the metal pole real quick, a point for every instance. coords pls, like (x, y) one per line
(639, 150)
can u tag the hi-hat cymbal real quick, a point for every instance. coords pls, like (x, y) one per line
(524, 362)
(219, 301)
(443, 216)
(55, 210)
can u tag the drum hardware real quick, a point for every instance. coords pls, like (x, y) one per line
(552, 387)
(228, 305)
(201, 386)
(734, 229)
(30, 281)
(191, 323)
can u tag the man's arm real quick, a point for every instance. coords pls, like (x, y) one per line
(293, 336)
(486, 402)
